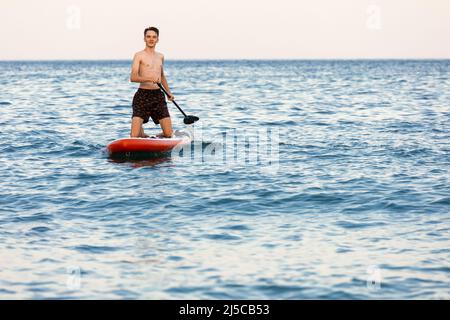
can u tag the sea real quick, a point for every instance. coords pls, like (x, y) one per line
(306, 179)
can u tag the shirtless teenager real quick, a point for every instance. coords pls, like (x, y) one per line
(149, 100)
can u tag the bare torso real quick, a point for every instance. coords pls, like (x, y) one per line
(150, 66)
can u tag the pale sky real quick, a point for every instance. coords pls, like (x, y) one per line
(228, 29)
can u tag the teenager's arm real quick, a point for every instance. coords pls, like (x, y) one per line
(134, 76)
(164, 81)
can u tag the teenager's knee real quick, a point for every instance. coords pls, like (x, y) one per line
(166, 126)
(168, 133)
(136, 127)
(135, 133)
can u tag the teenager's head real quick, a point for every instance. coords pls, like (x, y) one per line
(154, 29)
(151, 36)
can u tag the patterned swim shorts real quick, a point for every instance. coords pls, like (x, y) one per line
(150, 103)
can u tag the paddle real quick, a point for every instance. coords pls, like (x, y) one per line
(187, 119)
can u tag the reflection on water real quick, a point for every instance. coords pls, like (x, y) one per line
(149, 162)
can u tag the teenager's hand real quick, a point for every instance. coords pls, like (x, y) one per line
(171, 97)
(154, 80)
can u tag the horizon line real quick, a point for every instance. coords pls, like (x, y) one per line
(232, 59)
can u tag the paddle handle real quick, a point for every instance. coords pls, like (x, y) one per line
(176, 104)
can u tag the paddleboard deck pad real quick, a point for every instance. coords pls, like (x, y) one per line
(142, 148)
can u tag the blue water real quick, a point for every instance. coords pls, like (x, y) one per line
(358, 207)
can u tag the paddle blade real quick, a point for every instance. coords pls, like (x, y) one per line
(190, 119)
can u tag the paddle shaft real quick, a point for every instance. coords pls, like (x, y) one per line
(176, 104)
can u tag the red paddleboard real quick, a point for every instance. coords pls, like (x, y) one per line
(128, 146)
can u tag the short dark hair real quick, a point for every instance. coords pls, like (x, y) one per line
(151, 29)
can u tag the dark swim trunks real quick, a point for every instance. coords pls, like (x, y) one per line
(150, 103)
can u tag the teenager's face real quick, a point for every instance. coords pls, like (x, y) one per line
(151, 38)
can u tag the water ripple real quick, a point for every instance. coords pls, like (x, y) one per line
(356, 209)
